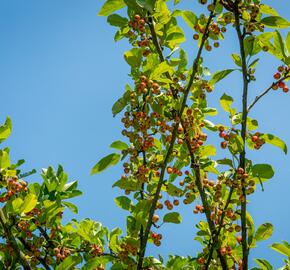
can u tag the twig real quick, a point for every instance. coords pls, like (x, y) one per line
(267, 91)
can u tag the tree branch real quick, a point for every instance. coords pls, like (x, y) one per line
(242, 162)
(267, 91)
(174, 133)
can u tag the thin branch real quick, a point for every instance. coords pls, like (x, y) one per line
(267, 91)
(220, 226)
(242, 164)
(198, 181)
(174, 133)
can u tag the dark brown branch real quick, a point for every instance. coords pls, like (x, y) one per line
(220, 226)
(198, 181)
(242, 163)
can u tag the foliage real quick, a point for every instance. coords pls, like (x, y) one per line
(165, 154)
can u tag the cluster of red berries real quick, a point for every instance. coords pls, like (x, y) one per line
(168, 205)
(173, 170)
(137, 24)
(145, 85)
(61, 253)
(156, 238)
(14, 186)
(257, 140)
(282, 72)
(224, 251)
(198, 209)
(128, 248)
(225, 136)
(23, 225)
(96, 250)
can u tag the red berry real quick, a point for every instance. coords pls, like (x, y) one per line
(224, 145)
(255, 138)
(277, 76)
(285, 89)
(281, 84)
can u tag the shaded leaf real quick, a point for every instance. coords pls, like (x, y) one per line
(173, 217)
(275, 22)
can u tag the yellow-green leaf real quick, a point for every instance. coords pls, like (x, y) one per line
(110, 6)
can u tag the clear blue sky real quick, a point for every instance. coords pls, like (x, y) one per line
(60, 73)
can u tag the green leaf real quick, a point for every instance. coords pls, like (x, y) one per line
(237, 59)
(264, 232)
(268, 10)
(226, 102)
(282, 248)
(263, 264)
(69, 263)
(209, 125)
(210, 111)
(161, 69)
(117, 20)
(208, 150)
(5, 130)
(110, 6)
(264, 171)
(4, 159)
(271, 139)
(146, 4)
(16, 205)
(252, 124)
(133, 57)
(218, 76)
(122, 102)
(188, 16)
(123, 202)
(275, 22)
(176, 2)
(172, 190)
(175, 36)
(288, 42)
(279, 44)
(251, 227)
(71, 207)
(173, 217)
(119, 145)
(183, 61)
(29, 203)
(105, 162)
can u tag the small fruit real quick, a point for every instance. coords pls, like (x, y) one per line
(285, 89)
(277, 76)
(281, 84)
(224, 144)
(169, 170)
(155, 218)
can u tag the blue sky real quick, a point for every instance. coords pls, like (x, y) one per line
(60, 74)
